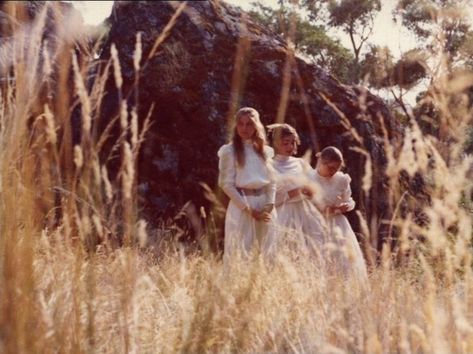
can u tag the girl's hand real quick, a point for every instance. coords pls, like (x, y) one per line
(254, 213)
(343, 207)
(263, 215)
(307, 192)
(330, 210)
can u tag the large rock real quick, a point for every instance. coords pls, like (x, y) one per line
(189, 82)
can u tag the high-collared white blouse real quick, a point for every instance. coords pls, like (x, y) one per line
(335, 190)
(256, 173)
(293, 172)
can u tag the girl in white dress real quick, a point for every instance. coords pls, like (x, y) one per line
(302, 224)
(334, 199)
(246, 176)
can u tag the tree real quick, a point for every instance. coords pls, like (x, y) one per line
(440, 24)
(377, 66)
(309, 39)
(381, 72)
(354, 17)
(443, 29)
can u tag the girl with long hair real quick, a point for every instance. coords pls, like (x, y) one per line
(246, 176)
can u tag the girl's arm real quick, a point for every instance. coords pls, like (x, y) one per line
(282, 189)
(227, 176)
(309, 175)
(346, 201)
(271, 193)
(271, 187)
(281, 196)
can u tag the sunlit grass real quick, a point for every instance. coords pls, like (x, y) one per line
(76, 275)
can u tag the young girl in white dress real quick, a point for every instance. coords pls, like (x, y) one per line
(334, 199)
(301, 223)
(246, 176)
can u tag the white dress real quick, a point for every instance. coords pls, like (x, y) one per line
(244, 234)
(302, 224)
(347, 255)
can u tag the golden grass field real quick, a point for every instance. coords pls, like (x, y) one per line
(59, 294)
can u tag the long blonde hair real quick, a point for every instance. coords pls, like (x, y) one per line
(259, 137)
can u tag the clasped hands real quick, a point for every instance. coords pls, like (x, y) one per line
(341, 209)
(263, 214)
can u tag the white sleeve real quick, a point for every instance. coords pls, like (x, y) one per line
(268, 152)
(271, 192)
(227, 176)
(346, 192)
(310, 178)
(308, 170)
(271, 188)
(281, 195)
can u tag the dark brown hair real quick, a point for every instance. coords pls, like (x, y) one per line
(330, 154)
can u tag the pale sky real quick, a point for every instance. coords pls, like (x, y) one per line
(386, 32)
(93, 12)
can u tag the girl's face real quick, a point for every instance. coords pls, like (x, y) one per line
(245, 127)
(328, 168)
(287, 146)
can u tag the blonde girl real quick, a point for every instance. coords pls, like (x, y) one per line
(302, 224)
(246, 176)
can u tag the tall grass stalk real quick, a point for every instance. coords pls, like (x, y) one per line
(67, 286)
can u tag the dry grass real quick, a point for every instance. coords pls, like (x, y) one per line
(60, 292)
(124, 301)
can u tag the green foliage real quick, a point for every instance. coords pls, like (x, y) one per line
(416, 16)
(354, 17)
(409, 70)
(445, 51)
(377, 66)
(381, 71)
(437, 22)
(310, 39)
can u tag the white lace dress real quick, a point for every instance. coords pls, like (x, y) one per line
(303, 226)
(346, 254)
(244, 234)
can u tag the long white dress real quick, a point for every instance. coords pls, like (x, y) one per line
(244, 234)
(346, 255)
(303, 227)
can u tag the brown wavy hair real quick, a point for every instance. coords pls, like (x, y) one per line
(278, 131)
(259, 137)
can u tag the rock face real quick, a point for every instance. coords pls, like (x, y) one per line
(189, 82)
